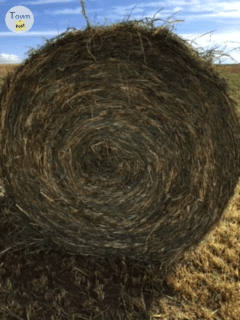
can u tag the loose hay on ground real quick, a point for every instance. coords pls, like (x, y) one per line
(119, 142)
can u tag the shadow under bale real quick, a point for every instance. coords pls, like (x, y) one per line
(119, 142)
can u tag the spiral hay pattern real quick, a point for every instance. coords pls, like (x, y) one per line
(119, 142)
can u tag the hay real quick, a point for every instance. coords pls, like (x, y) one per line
(119, 142)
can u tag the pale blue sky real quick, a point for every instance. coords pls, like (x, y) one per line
(52, 17)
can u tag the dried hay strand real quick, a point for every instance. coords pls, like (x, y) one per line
(119, 142)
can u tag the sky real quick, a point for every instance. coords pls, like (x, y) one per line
(219, 20)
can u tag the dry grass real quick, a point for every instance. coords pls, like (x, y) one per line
(51, 285)
(4, 69)
(206, 285)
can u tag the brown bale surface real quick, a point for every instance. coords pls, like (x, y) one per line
(119, 142)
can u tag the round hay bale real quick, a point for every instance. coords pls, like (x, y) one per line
(119, 142)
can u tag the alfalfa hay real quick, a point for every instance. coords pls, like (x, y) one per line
(119, 142)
